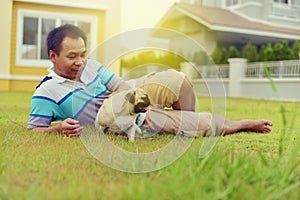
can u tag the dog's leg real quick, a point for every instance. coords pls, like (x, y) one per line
(131, 133)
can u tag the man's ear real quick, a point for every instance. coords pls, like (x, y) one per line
(130, 97)
(52, 55)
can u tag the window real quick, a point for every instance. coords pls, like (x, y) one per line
(283, 2)
(33, 28)
(231, 2)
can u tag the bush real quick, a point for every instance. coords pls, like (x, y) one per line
(233, 52)
(282, 51)
(219, 55)
(249, 51)
(266, 52)
(296, 49)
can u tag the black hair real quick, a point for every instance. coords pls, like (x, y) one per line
(56, 36)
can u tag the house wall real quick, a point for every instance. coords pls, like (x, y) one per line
(25, 78)
(41, 71)
(5, 24)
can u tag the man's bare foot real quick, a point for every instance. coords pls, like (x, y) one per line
(258, 126)
(226, 127)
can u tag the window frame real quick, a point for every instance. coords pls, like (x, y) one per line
(280, 3)
(58, 17)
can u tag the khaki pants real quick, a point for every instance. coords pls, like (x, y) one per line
(185, 123)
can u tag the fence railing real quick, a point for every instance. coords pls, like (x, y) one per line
(215, 71)
(276, 69)
(280, 69)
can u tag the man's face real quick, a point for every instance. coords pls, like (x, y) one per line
(71, 59)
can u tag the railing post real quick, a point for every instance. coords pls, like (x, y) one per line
(237, 68)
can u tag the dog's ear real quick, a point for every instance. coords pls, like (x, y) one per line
(131, 97)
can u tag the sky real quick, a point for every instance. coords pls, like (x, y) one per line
(139, 14)
(143, 13)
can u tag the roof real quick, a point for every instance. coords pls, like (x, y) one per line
(225, 20)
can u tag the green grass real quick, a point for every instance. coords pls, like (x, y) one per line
(241, 166)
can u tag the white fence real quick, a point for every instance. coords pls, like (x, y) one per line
(264, 80)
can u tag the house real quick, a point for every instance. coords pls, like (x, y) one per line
(215, 23)
(26, 23)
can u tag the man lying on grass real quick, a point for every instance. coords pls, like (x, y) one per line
(76, 87)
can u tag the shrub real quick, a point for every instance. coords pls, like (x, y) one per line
(282, 51)
(296, 49)
(219, 55)
(249, 51)
(266, 52)
(233, 52)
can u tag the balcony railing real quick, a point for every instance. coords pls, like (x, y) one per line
(282, 10)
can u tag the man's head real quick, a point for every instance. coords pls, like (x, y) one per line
(67, 50)
(56, 36)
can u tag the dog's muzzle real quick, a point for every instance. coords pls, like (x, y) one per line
(143, 105)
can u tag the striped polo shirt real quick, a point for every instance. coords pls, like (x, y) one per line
(57, 98)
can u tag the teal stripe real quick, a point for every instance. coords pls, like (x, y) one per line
(46, 108)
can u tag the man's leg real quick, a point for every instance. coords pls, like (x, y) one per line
(230, 126)
(187, 97)
(200, 123)
(185, 123)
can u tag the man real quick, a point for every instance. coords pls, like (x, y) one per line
(76, 86)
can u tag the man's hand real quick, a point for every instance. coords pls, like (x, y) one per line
(70, 127)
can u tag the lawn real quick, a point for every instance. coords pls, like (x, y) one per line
(241, 166)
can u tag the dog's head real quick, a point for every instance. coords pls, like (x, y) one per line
(139, 100)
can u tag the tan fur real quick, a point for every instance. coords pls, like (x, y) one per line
(118, 113)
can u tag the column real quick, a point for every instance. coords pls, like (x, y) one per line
(237, 68)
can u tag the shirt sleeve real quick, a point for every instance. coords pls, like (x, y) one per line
(109, 79)
(43, 112)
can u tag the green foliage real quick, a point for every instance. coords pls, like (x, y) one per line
(200, 58)
(145, 57)
(296, 49)
(219, 55)
(249, 51)
(282, 51)
(267, 52)
(233, 52)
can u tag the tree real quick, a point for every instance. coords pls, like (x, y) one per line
(219, 55)
(249, 51)
(200, 58)
(266, 52)
(296, 49)
(233, 52)
(282, 51)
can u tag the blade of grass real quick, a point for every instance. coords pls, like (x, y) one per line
(268, 75)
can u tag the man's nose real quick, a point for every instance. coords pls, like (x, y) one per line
(80, 61)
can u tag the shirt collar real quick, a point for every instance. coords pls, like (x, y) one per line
(60, 79)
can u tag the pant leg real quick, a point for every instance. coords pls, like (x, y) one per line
(187, 97)
(185, 123)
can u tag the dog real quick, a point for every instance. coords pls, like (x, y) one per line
(118, 114)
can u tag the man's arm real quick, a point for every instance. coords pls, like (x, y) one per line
(68, 127)
(123, 86)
